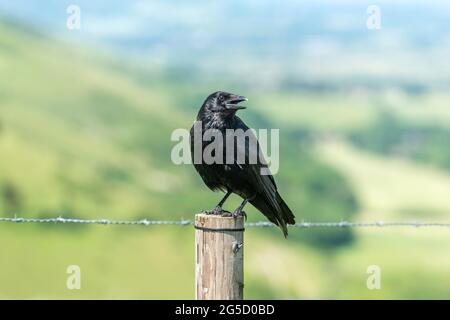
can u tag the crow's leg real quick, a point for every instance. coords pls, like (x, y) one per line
(218, 209)
(225, 197)
(239, 211)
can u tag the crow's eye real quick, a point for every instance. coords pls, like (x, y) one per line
(221, 98)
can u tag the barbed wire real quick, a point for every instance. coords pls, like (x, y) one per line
(260, 224)
(144, 222)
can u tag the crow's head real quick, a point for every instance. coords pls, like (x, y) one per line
(223, 103)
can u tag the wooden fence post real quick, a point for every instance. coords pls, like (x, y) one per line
(219, 257)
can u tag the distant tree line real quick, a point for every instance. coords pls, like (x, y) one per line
(391, 136)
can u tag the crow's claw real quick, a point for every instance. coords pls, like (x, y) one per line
(226, 213)
(240, 214)
(218, 211)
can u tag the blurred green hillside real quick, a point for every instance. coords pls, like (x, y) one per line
(88, 135)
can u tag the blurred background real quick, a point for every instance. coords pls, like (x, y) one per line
(85, 122)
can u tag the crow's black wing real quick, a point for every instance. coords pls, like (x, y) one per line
(266, 198)
(257, 174)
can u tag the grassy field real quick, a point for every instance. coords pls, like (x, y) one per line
(158, 264)
(391, 188)
(88, 136)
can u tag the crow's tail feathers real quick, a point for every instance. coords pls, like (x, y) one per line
(285, 215)
(281, 216)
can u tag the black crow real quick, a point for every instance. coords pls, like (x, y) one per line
(243, 178)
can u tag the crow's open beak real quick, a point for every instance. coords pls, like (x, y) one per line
(233, 103)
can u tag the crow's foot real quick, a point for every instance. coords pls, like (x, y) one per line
(240, 213)
(218, 211)
(226, 213)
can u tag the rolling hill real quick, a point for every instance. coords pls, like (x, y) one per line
(85, 133)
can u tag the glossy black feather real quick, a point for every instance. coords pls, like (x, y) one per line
(243, 179)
